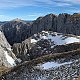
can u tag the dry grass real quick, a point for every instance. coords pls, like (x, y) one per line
(77, 15)
(3, 70)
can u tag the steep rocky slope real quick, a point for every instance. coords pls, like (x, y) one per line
(21, 50)
(7, 57)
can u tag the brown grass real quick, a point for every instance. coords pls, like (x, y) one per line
(3, 70)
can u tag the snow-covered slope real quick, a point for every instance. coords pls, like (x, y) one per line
(57, 38)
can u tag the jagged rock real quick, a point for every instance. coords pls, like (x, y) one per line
(44, 23)
(65, 48)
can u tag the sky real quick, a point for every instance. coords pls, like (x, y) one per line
(32, 9)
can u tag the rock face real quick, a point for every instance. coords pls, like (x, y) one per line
(63, 23)
(43, 23)
(7, 57)
(45, 42)
(18, 30)
(61, 47)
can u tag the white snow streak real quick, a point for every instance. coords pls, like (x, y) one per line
(10, 59)
(33, 41)
(49, 65)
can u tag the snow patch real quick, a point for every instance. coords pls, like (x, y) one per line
(9, 49)
(49, 65)
(72, 40)
(58, 39)
(10, 59)
(33, 41)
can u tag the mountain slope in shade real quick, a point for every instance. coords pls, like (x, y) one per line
(18, 30)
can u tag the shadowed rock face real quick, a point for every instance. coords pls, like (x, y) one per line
(63, 23)
(18, 30)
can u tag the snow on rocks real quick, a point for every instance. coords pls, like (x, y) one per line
(57, 38)
(33, 41)
(9, 59)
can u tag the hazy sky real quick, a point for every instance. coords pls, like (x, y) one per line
(31, 9)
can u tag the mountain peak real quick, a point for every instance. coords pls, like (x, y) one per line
(17, 19)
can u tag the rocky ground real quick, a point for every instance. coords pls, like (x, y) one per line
(66, 66)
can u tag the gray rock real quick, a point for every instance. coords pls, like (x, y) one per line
(21, 49)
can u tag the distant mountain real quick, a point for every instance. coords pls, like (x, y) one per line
(18, 30)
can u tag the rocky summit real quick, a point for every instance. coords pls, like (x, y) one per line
(47, 48)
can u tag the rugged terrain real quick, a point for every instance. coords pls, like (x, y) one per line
(18, 30)
(45, 49)
(52, 56)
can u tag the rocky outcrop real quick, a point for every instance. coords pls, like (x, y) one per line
(68, 24)
(7, 57)
(38, 50)
(21, 50)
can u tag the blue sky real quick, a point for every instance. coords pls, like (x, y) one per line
(31, 9)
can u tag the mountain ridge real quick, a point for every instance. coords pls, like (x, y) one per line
(62, 23)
